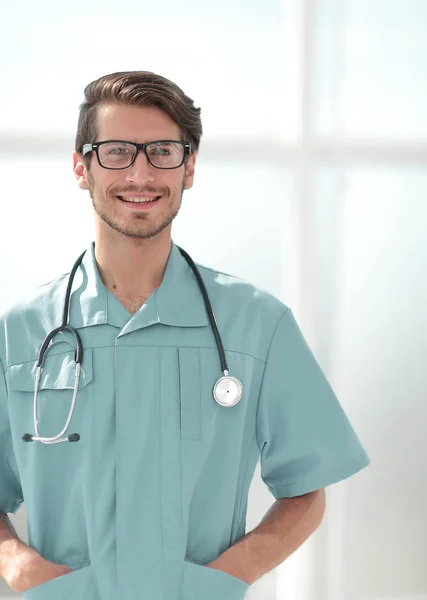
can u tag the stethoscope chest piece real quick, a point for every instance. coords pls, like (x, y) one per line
(227, 391)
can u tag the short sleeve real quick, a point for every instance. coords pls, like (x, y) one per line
(10, 489)
(305, 438)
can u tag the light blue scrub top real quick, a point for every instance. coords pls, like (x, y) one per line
(158, 483)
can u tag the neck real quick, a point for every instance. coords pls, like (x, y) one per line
(132, 268)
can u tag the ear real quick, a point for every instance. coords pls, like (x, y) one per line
(80, 171)
(189, 176)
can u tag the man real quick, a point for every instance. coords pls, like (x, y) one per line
(150, 501)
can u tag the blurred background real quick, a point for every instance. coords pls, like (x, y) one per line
(310, 182)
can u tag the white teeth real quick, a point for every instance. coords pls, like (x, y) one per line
(138, 200)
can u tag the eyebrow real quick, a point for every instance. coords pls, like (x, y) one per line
(112, 139)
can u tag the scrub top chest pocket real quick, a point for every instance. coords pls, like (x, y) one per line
(55, 395)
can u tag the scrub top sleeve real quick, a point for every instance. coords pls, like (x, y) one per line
(10, 489)
(305, 438)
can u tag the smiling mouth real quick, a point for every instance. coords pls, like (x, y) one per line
(143, 200)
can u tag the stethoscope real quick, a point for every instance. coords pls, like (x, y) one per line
(227, 391)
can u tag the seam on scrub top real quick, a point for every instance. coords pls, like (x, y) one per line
(265, 365)
(25, 362)
(180, 442)
(146, 346)
(200, 410)
(116, 460)
(18, 482)
(5, 382)
(225, 350)
(14, 476)
(237, 521)
(354, 460)
(194, 346)
(160, 430)
(222, 273)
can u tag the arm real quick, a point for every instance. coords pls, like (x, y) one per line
(7, 530)
(283, 529)
(10, 544)
(21, 566)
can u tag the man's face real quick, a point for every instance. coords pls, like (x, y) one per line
(135, 124)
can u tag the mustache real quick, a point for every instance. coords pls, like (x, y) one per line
(134, 191)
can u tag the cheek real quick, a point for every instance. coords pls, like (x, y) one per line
(108, 188)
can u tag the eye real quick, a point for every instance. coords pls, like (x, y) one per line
(160, 150)
(118, 150)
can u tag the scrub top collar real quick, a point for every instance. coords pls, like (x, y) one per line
(178, 300)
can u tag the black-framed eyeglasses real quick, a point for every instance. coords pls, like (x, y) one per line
(120, 154)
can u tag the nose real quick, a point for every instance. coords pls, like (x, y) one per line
(141, 170)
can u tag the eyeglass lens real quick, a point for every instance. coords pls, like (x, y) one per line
(119, 155)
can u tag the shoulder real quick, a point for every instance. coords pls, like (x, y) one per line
(34, 298)
(36, 308)
(241, 299)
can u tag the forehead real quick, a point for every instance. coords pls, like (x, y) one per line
(135, 123)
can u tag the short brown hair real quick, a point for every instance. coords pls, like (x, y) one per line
(139, 88)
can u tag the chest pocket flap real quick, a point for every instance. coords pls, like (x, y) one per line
(58, 372)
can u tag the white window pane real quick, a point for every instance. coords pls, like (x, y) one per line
(42, 210)
(378, 320)
(372, 59)
(228, 59)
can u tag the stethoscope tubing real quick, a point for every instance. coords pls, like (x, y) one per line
(223, 386)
